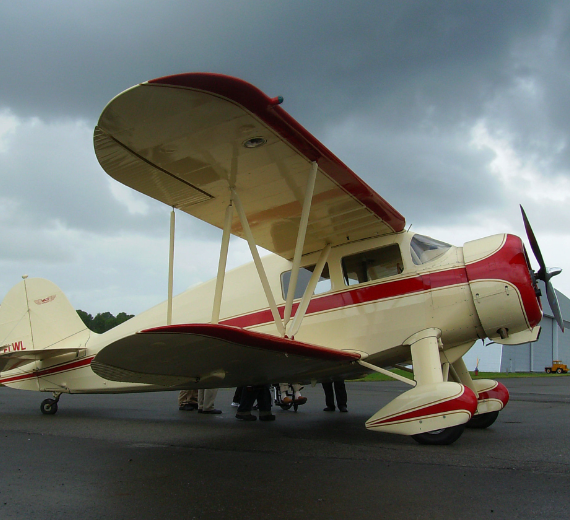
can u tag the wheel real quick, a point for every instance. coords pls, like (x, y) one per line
(286, 406)
(440, 437)
(49, 406)
(482, 421)
(548, 370)
(559, 371)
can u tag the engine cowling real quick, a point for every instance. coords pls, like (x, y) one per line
(501, 285)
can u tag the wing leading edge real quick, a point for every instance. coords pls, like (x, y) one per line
(184, 139)
(217, 356)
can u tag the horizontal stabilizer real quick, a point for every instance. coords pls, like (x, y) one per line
(10, 360)
(216, 356)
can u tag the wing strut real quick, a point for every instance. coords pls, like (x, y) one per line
(222, 264)
(309, 290)
(300, 243)
(170, 269)
(258, 263)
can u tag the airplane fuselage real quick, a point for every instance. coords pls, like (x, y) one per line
(373, 295)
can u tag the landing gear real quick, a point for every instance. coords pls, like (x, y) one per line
(483, 420)
(49, 406)
(440, 437)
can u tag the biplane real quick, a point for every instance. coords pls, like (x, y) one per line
(346, 291)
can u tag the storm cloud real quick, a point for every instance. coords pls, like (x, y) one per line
(454, 111)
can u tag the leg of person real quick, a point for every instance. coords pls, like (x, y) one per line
(341, 397)
(193, 398)
(264, 401)
(283, 389)
(187, 400)
(297, 397)
(329, 397)
(237, 396)
(248, 396)
(209, 396)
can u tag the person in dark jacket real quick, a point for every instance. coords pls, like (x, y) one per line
(248, 396)
(335, 388)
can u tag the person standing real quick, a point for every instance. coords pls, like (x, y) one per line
(248, 396)
(331, 389)
(188, 400)
(206, 397)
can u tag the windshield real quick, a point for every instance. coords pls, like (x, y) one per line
(425, 249)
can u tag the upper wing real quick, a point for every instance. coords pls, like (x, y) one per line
(181, 139)
(216, 356)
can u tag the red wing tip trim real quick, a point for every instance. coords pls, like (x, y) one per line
(259, 104)
(256, 340)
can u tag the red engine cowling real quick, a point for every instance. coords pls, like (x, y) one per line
(503, 291)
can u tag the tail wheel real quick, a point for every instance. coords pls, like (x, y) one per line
(440, 437)
(49, 406)
(482, 421)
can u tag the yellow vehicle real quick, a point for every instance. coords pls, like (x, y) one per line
(558, 367)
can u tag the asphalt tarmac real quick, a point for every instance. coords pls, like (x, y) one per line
(137, 457)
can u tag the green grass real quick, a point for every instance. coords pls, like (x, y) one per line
(376, 376)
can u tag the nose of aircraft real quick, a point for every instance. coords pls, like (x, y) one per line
(544, 273)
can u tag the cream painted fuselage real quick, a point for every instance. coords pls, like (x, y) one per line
(484, 289)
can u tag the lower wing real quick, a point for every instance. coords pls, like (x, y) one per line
(216, 356)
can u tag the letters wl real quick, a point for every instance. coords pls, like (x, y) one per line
(18, 345)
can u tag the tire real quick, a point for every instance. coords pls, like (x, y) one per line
(49, 407)
(286, 406)
(482, 421)
(440, 437)
(548, 370)
(559, 371)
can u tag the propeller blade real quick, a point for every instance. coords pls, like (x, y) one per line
(541, 274)
(553, 301)
(544, 273)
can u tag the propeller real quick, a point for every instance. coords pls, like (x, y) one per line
(544, 273)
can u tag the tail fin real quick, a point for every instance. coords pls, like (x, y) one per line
(35, 315)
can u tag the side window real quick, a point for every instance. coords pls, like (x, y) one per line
(372, 265)
(305, 273)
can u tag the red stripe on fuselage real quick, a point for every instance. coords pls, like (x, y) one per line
(367, 294)
(49, 371)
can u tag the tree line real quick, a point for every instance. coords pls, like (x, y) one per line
(103, 321)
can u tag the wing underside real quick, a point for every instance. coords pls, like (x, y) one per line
(185, 139)
(218, 356)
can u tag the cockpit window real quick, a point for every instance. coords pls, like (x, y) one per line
(305, 273)
(372, 265)
(425, 249)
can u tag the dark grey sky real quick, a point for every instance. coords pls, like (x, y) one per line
(454, 111)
